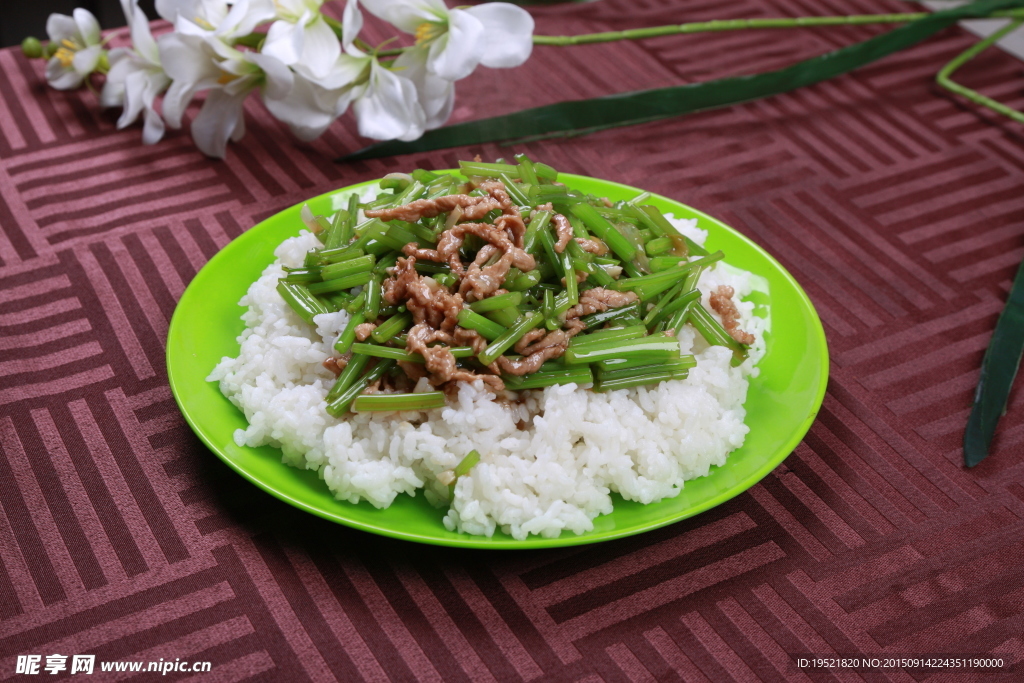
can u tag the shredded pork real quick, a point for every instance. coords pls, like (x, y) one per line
(564, 231)
(473, 208)
(599, 299)
(435, 307)
(721, 301)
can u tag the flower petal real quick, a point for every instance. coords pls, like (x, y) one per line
(189, 62)
(171, 9)
(351, 23)
(320, 49)
(456, 54)
(243, 18)
(176, 101)
(134, 99)
(153, 130)
(187, 58)
(278, 79)
(302, 110)
(217, 122)
(62, 77)
(406, 15)
(436, 95)
(88, 27)
(121, 66)
(61, 26)
(284, 41)
(509, 34)
(346, 70)
(85, 61)
(142, 38)
(389, 109)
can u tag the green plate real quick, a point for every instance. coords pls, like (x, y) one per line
(781, 404)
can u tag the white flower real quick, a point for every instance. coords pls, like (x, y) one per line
(300, 35)
(387, 106)
(196, 64)
(216, 18)
(317, 99)
(78, 48)
(136, 77)
(495, 34)
(314, 103)
(436, 95)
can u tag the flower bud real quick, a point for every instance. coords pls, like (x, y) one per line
(32, 48)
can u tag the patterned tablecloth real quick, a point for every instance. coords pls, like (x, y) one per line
(895, 205)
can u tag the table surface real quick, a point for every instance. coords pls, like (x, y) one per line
(897, 207)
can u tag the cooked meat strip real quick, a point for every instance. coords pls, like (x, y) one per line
(473, 208)
(581, 276)
(574, 326)
(510, 219)
(363, 331)
(599, 299)
(480, 283)
(414, 371)
(403, 274)
(528, 338)
(425, 298)
(593, 245)
(552, 345)
(422, 334)
(451, 241)
(336, 365)
(564, 231)
(530, 363)
(466, 337)
(721, 301)
(558, 338)
(485, 254)
(439, 359)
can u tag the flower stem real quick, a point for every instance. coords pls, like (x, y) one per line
(943, 77)
(741, 24)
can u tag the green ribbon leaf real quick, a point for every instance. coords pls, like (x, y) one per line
(584, 116)
(998, 369)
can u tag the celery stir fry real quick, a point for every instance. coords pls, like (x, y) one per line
(505, 275)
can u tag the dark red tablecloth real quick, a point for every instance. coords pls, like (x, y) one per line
(897, 206)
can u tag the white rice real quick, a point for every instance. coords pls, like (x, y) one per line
(556, 474)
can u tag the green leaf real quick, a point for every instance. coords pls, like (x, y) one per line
(584, 116)
(998, 369)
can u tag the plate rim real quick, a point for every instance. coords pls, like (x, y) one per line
(485, 542)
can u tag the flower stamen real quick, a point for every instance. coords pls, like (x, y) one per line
(65, 56)
(428, 31)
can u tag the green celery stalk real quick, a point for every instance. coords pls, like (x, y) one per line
(398, 402)
(504, 342)
(654, 347)
(391, 327)
(613, 334)
(600, 226)
(580, 374)
(348, 376)
(301, 300)
(345, 398)
(340, 283)
(488, 329)
(684, 362)
(348, 335)
(493, 303)
(348, 267)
